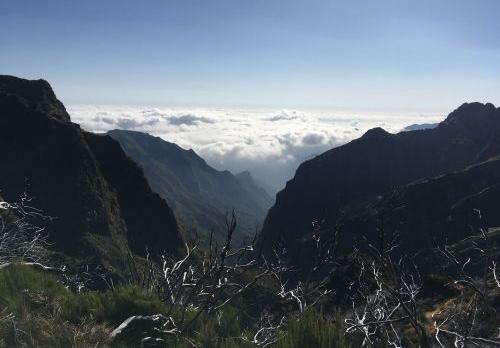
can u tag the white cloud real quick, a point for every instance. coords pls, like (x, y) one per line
(269, 143)
(313, 139)
(188, 120)
(284, 115)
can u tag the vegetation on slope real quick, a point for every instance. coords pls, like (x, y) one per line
(200, 195)
(39, 311)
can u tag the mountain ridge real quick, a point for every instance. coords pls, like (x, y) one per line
(374, 164)
(62, 168)
(201, 196)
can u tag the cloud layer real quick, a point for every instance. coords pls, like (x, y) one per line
(270, 144)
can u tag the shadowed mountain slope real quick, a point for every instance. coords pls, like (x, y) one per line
(200, 195)
(429, 212)
(374, 164)
(102, 203)
(36, 94)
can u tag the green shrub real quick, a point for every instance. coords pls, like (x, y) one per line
(113, 306)
(23, 289)
(46, 314)
(34, 299)
(312, 330)
(221, 330)
(216, 330)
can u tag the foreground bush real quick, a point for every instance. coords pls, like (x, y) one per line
(31, 303)
(36, 310)
(111, 307)
(313, 330)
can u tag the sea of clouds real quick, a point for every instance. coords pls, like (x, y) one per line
(269, 143)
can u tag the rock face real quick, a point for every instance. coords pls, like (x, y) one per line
(200, 195)
(146, 215)
(375, 164)
(37, 95)
(69, 174)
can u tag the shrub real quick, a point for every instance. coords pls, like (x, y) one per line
(312, 330)
(47, 314)
(113, 306)
(23, 289)
(30, 308)
(36, 310)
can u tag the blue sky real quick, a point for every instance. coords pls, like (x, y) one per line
(363, 55)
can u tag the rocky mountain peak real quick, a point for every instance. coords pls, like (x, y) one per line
(376, 132)
(101, 202)
(35, 94)
(475, 115)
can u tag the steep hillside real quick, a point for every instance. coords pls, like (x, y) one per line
(250, 184)
(146, 214)
(429, 212)
(374, 164)
(100, 199)
(200, 195)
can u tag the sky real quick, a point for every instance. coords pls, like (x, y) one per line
(213, 74)
(425, 55)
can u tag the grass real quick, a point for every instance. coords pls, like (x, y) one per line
(220, 330)
(46, 314)
(31, 303)
(111, 307)
(36, 310)
(313, 330)
(24, 289)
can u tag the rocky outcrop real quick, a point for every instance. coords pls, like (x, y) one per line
(143, 331)
(35, 94)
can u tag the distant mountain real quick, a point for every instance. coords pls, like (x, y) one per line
(250, 183)
(102, 203)
(270, 189)
(201, 196)
(377, 163)
(420, 126)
